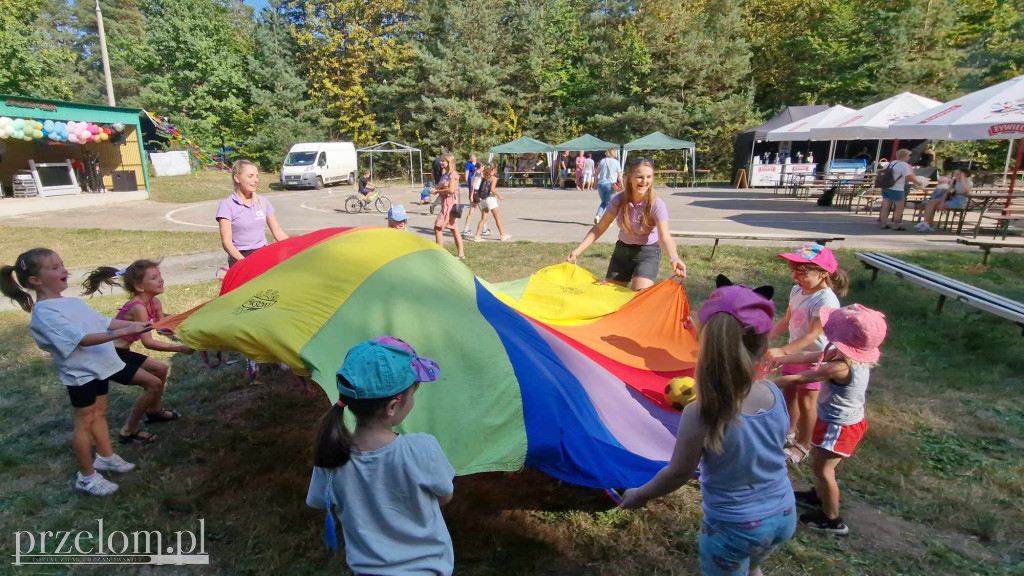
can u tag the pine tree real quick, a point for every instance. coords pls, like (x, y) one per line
(280, 112)
(127, 47)
(37, 51)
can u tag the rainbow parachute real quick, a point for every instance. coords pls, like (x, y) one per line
(557, 371)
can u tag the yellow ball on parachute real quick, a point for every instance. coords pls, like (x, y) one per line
(680, 391)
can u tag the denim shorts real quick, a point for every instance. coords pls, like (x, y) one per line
(729, 548)
(893, 195)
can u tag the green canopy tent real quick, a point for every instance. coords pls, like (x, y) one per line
(523, 145)
(586, 143)
(662, 141)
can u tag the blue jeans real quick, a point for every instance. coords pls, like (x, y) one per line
(605, 192)
(729, 548)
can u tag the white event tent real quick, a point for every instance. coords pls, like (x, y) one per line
(801, 129)
(993, 113)
(874, 121)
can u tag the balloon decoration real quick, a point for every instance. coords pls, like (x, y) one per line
(53, 132)
(167, 130)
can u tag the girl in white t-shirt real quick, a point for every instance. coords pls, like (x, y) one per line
(80, 341)
(819, 280)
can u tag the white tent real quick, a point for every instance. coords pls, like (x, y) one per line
(995, 113)
(801, 129)
(389, 147)
(873, 122)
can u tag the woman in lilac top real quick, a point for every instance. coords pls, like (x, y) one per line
(643, 225)
(244, 215)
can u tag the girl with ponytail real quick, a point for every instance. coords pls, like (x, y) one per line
(143, 282)
(79, 341)
(386, 489)
(734, 431)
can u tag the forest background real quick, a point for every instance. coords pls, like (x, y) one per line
(468, 74)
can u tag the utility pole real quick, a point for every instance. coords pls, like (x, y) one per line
(103, 55)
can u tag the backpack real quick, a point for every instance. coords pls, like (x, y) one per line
(886, 179)
(484, 191)
(827, 196)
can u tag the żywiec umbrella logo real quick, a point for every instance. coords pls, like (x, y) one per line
(259, 301)
(1007, 108)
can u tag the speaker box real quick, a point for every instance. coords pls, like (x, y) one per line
(124, 181)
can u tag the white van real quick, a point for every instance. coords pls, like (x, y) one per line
(317, 164)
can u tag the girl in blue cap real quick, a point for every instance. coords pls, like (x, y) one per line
(386, 489)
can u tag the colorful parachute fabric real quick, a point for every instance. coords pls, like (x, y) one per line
(557, 371)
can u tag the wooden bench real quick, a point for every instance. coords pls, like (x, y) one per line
(946, 287)
(718, 236)
(992, 206)
(988, 245)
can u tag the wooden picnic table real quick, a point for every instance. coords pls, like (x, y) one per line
(718, 236)
(527, 175)
(671, 177)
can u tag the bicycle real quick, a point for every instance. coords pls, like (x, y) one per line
(355, 204)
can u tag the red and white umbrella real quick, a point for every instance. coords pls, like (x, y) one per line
(994, 113)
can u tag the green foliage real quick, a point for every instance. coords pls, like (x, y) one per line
(468, 74)
(37, 56)
(280, 113)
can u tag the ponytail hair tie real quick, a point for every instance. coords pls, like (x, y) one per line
(120, 272)
(339, 403)
(22, 264)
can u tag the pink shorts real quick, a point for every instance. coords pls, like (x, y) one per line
(838, 439)
(788, 369)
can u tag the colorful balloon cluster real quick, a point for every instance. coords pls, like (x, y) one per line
(167, 130)
(74, 132)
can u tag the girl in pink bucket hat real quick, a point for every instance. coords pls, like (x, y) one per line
(854, 333)
(819, 284)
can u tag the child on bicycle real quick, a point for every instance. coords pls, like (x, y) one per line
(366, 188)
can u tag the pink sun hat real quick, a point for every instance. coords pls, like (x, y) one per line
(813, 253)
(855, 330)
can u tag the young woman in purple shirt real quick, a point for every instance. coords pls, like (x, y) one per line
(243, 216)
(642, 219)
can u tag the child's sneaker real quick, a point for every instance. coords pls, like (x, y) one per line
(818, 521)
(487, 232)
(112, 463)
(95, 485)
(467, 232)
(506, 237)
(807, 499)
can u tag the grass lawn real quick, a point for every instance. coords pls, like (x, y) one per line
(935, 488)
(86, 247)
(205, 185)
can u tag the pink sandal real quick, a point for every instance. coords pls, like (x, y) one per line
(798, 455)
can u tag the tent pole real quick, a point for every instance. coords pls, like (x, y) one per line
(831, 153)
(1016, 170)
(895, 147)
(693, 173)
(420, 152)
(371, 165)
(878, 152)
(1009, 154)
(750, 163)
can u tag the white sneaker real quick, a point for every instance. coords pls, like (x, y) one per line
(486, 232)
(927, 228)
(596, 219)
(113, 463)
(96, 485)
(506, 237)
(920, 225)
(467, 232)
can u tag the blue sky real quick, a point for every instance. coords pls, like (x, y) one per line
(257, 4)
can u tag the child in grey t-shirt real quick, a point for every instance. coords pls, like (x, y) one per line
(854, 334)
(387, 490)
